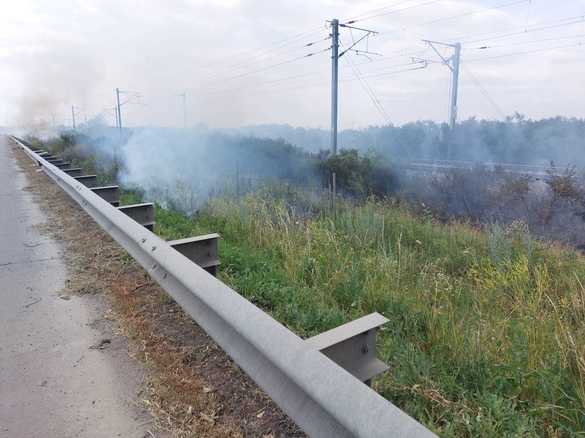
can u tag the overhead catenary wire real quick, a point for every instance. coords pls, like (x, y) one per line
(302, 41)
(546, 49)
(251, 54)
(524, 43)
(278, 64)
(457, 16)
(369, 91)
(393, 11)
(478, 12)
(485, 93)
(374, 11)
(270, 84)
(569, 21)
(264, 55)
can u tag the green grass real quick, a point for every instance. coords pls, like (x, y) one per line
(486, 328)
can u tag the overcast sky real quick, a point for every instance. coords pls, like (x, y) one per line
(240, 62)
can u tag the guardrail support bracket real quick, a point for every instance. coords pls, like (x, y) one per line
(108, 193)
(87, 180)
(73, 171)
(352, 346)
(141, 213)
(201, 250)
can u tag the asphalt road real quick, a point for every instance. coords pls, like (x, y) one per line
(51, 383)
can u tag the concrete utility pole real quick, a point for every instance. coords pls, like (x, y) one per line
(456, 60)
(73, 117)
(453, 64)
(334, 82)
(335, 55)
(119, 111)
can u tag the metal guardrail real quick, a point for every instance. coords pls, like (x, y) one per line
(527, 170)
(324, 399)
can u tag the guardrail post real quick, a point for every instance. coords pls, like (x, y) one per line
(201, 250)
(108, 193)
(141, 213)
(87, 180)
(64, 165)
(352, 346)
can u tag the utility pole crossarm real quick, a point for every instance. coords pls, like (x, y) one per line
(446, 61)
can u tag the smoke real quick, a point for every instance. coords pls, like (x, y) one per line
(515, 140)
(185, 168)
(52, 81)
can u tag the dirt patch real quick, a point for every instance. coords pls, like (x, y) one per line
(193, 388)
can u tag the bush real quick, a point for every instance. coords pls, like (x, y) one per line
(359, 175)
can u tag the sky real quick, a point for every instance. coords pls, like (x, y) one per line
(243, 62)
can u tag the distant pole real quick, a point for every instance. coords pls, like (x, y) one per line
(73, 117)
(334, 81)
(119, 111)
(456, 61)
(452, 64)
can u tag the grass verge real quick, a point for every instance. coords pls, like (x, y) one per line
(486, 328)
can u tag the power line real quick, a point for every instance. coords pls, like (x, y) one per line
(272, 47)
(456, 16)
(373, 11)
(393, 11)
(302, 76)
(413, 61)
(482, 11)
(421, 66)
(263, 55)
(505, 55)
(560, 23)
(370, 92)
(523, 43)
(278, 64)
(484, 91)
